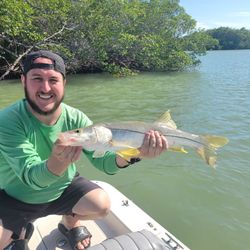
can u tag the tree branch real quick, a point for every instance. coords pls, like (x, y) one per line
(12, 66)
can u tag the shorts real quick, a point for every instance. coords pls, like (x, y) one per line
(16, 214)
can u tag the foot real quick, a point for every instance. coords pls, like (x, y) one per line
(69, 222)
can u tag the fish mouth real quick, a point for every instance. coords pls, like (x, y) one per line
(67, 139)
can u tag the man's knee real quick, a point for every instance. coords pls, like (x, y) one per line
(101, 201)
(96, 202)
(104, 208)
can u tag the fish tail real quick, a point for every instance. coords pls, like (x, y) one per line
(210, 144)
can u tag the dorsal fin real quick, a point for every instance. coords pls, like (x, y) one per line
(166, 119)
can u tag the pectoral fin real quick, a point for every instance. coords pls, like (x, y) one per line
(128, 153)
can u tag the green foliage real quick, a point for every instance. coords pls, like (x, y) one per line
(199, 41)
(118, 36)
(229, 38)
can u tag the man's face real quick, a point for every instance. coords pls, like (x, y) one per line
(44, 88)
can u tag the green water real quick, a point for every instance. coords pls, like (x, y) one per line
(205, 208)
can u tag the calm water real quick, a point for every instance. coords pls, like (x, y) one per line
(205, 208)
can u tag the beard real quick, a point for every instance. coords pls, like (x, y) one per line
(36, 108)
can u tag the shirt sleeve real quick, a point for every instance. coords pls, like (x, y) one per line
(106, 164)
(22, 157)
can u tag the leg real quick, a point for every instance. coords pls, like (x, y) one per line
(93, 205)
(5, 236)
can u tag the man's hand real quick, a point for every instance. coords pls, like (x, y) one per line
(62, 156)
(153, 145)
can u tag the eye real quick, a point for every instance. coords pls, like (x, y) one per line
(78, 131)
(53, 81)
(38, 79)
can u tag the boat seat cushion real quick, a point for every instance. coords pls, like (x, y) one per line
(141, 240)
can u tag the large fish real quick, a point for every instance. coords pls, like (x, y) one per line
(125, 138)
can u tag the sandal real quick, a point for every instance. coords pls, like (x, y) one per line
(75, 235)
(22, 244)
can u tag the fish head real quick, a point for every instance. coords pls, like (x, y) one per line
(77, 137)
(88, 137)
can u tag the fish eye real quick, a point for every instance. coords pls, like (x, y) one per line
(78, 131)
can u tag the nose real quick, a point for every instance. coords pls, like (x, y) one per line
(45, 86)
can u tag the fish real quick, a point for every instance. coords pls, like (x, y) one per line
(125, 138)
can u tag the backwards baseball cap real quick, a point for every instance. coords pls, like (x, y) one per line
(57, 62)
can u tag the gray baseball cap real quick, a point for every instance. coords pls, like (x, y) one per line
(58, 63)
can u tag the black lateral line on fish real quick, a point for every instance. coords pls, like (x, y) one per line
(169, 135)
(188, 139)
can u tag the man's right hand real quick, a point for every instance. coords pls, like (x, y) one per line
(62, 156)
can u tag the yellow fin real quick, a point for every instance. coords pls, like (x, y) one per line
(208, 155)
(216, 141)
(180, 150)
(128, 153)
(208, 151)
(166, 119)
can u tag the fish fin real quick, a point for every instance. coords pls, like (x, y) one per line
(216, 141)
(128, 153)
(179, 150)
(167, 119)
(208, 152)
(208, 155)
(98, 154)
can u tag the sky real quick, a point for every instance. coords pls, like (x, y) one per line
(211, 14)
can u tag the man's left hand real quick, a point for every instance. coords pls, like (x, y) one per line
(153, 145)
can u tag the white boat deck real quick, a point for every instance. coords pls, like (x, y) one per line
(46, 236)
(124, 217)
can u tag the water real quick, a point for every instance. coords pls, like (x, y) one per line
(205, 208)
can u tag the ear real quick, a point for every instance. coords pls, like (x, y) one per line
(64, 82)
(23, 80)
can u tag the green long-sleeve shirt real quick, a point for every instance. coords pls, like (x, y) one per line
(26, 144)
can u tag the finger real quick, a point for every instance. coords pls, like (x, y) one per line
(146, 141)
(76, 154)
(153, 139)
(159, 144)
(152, 144)
(63, 154)
(59, 151)
(145, 145)
(59, 142)
(70, 153)
(165, 145)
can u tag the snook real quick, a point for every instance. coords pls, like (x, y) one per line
(125, 138)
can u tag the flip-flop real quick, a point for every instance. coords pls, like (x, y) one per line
(75, 235)
(22, 244)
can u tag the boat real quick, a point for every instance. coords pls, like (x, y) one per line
(127, 227)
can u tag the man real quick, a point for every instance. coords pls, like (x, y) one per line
(37, 174)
